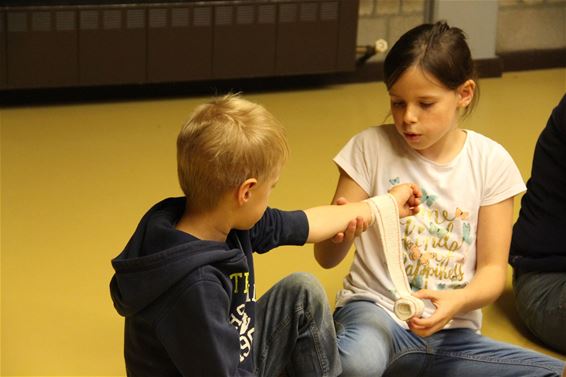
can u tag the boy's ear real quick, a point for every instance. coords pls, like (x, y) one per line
(466, 93)
(244, 192)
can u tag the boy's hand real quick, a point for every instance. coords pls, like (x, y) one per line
(408, 196)
(355, 227)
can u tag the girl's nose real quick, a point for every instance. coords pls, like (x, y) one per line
(410, 115)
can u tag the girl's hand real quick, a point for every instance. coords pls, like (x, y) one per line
(355, 227)
(447, 304)
(408, 196)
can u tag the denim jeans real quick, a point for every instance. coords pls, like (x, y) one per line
(372, 344)
(541, 302)
(294, 330)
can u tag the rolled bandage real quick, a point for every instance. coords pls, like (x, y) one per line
(385, 217)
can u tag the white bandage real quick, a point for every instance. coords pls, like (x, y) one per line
(385, 214)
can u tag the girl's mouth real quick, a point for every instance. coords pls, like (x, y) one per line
(410, 136)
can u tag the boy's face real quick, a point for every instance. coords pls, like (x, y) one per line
(257, 203)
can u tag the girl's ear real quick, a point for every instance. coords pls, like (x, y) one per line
(244, 192)
(466, 93)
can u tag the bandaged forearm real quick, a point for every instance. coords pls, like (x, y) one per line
(385, 217)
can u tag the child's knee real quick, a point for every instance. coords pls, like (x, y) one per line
(358, 365)
(303, 280)
(307, 285)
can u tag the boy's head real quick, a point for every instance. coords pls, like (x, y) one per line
(225, 142)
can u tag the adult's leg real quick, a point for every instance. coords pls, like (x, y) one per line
(541, 302)
(464, 353)
(368, 339)
(294, 331)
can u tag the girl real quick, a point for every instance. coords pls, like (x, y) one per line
(456, 247)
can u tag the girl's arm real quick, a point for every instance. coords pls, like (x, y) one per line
(495, 224)
(328, 253)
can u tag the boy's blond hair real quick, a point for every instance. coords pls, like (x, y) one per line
(225, 142)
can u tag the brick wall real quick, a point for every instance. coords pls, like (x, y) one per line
(388, 20)
(522, 24)
(531, 24)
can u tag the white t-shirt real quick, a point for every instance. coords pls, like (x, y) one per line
(440, 241)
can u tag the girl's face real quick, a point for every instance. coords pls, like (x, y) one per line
(426, 112)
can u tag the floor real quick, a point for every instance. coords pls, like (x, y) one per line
(76, 178)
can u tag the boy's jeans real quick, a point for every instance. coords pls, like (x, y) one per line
(294, 330)
(372, 344)
(541, 302)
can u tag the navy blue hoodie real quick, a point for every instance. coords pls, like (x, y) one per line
(189, 303)
(538, 235)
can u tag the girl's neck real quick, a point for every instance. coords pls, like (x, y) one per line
(447, 148)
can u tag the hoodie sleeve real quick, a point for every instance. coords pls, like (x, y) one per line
(277, 228)
(198, 336)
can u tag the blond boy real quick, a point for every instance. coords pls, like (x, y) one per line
(185, 281)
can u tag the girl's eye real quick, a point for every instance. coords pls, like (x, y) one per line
(426, 105)
(397, 104)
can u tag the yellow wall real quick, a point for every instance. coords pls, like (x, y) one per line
(75, 180)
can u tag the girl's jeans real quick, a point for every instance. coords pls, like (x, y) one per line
(294, 330)
(372, 344)
(541, 303)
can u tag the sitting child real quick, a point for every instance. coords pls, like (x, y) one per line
(185, 281)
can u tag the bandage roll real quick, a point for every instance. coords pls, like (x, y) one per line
(408, 307)
(386, 219)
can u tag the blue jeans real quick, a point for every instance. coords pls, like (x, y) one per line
(541, 302)
(294, 330)
(372, 344)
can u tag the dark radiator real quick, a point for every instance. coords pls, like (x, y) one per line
(65, 45)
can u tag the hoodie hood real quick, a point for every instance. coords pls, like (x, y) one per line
(158, 256)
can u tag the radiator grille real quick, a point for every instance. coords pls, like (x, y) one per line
(157, 18)
(135, 19)
(41, 21)
(308, 12)
(111, 19)
(266, 14)
(65, 21)
(329, 11)
(17, 22)
(106, 43)
(89, 20)
(224, 15)
(245, 15)
(180, 17)
(202, 16)
(287, 13)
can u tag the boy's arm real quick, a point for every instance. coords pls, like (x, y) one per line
(329, 253)
(326, 221)
(198, 336)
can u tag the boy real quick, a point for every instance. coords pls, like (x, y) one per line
(185, 281)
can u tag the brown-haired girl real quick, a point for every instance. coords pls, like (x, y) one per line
(455, 248)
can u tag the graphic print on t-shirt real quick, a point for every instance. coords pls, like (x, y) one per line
(435, 242)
